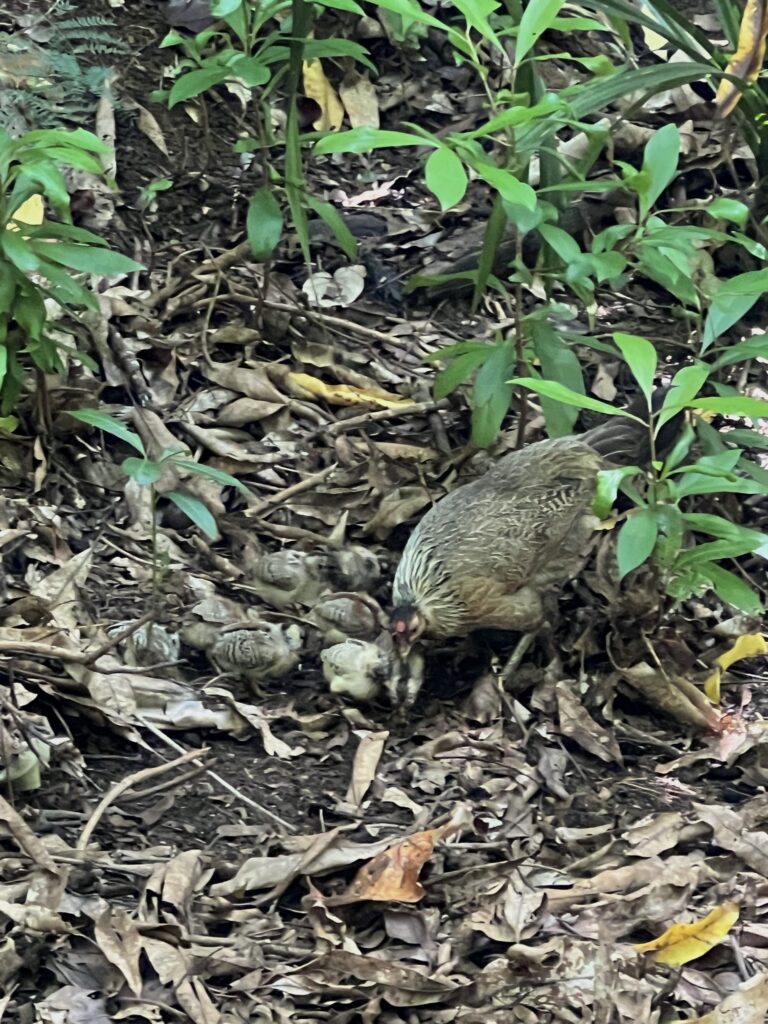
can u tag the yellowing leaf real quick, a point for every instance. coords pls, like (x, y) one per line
(348, 394)
(30, 212)
(747, 61)
(682, 943)
(749, 645)
(318, 88)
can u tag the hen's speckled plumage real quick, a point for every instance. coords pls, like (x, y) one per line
(484, 554)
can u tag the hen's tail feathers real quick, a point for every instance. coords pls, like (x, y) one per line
(627, 442)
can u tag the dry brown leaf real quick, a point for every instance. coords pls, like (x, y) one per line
(359, 99)
(675, 696)
(682, 943)
(577, 724)
(747, 62)
(393, 874)
(747, 1005)
(366, 763)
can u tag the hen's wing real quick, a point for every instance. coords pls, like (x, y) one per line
(524, 519)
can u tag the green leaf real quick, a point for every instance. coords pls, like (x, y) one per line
(19, 251)
(250, 70)
(144, 471)
(328, 213)
(637, 539)
(491, 395)
(103, 421)
(510, 188)
(264, 223)
(195, 82)
(86, 258)
(684, 387)
(342, 5)
(79, 138)
(640, 356)
(459, 370)
(608, 482)
(564, 245)
(45, 174)
(733, 590)
(537, 17)
(560, 364)
(728, 209)
(718, 526)
(223, 8)
(659, 164)
(445, 177)
(225, 479)
(314, 49)
(363, 140)
(736, 405)
(550, 389)
(724, 311)
(195, 510)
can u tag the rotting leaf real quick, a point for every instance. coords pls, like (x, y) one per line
(681, 943)
(675, 696)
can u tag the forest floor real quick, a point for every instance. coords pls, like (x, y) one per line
(270, 872)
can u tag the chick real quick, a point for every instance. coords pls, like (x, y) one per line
(265, 650)
(356, 668)
(347, 615)
(286, 578)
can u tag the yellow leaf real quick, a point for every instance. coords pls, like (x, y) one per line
(747, 62)
(319, 89)
(348, 394)
(749, 645)
(682, 943)
(30, 212)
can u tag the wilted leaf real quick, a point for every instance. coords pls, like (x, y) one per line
(393, 874)
(348, 394)
(682, 943)
(318, 88)
(750, 645)
(747, 61)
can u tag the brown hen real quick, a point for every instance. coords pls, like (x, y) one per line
(486, 554)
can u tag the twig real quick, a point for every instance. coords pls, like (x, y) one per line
(343, 426)
(288, 492)
(222, 782)
(128, 783)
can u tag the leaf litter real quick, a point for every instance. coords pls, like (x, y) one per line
(201, 829)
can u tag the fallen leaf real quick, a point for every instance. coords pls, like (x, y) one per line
(750, 645)
(318, 88)
(681, 943)
(348, 394)
(393, 874)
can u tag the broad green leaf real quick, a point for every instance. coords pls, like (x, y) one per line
(144, 471)
(445, 177)
(328, 213)
(559, 363)
(8, 423)
(195, 82)
(510, 188)
(733, 590)
(724, 311)
(86, 258)
(225, 479)
(223, 8)
(736, 405)
(411, 10)
(365, 139)
(684, 387)
(637, 539)
(537, 17)
(608, 481)
(751, 348)
(718, 526)
(264, 223)
(564, 245)
(103, 421)
(728, 209)
(491, 395)
(458, 371)
(550, 389)
(250, 70)
(79, 138)
(46, 174)
(314, 49)
(342, 5)
(19, 251)
(660, 164)
(640, 356)
(195, 510)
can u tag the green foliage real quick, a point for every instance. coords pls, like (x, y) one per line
(663, 524)
(146, 472)
(43, 261)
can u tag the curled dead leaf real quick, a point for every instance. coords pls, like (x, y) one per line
(681, 943)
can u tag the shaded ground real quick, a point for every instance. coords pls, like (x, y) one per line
(570, 818)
